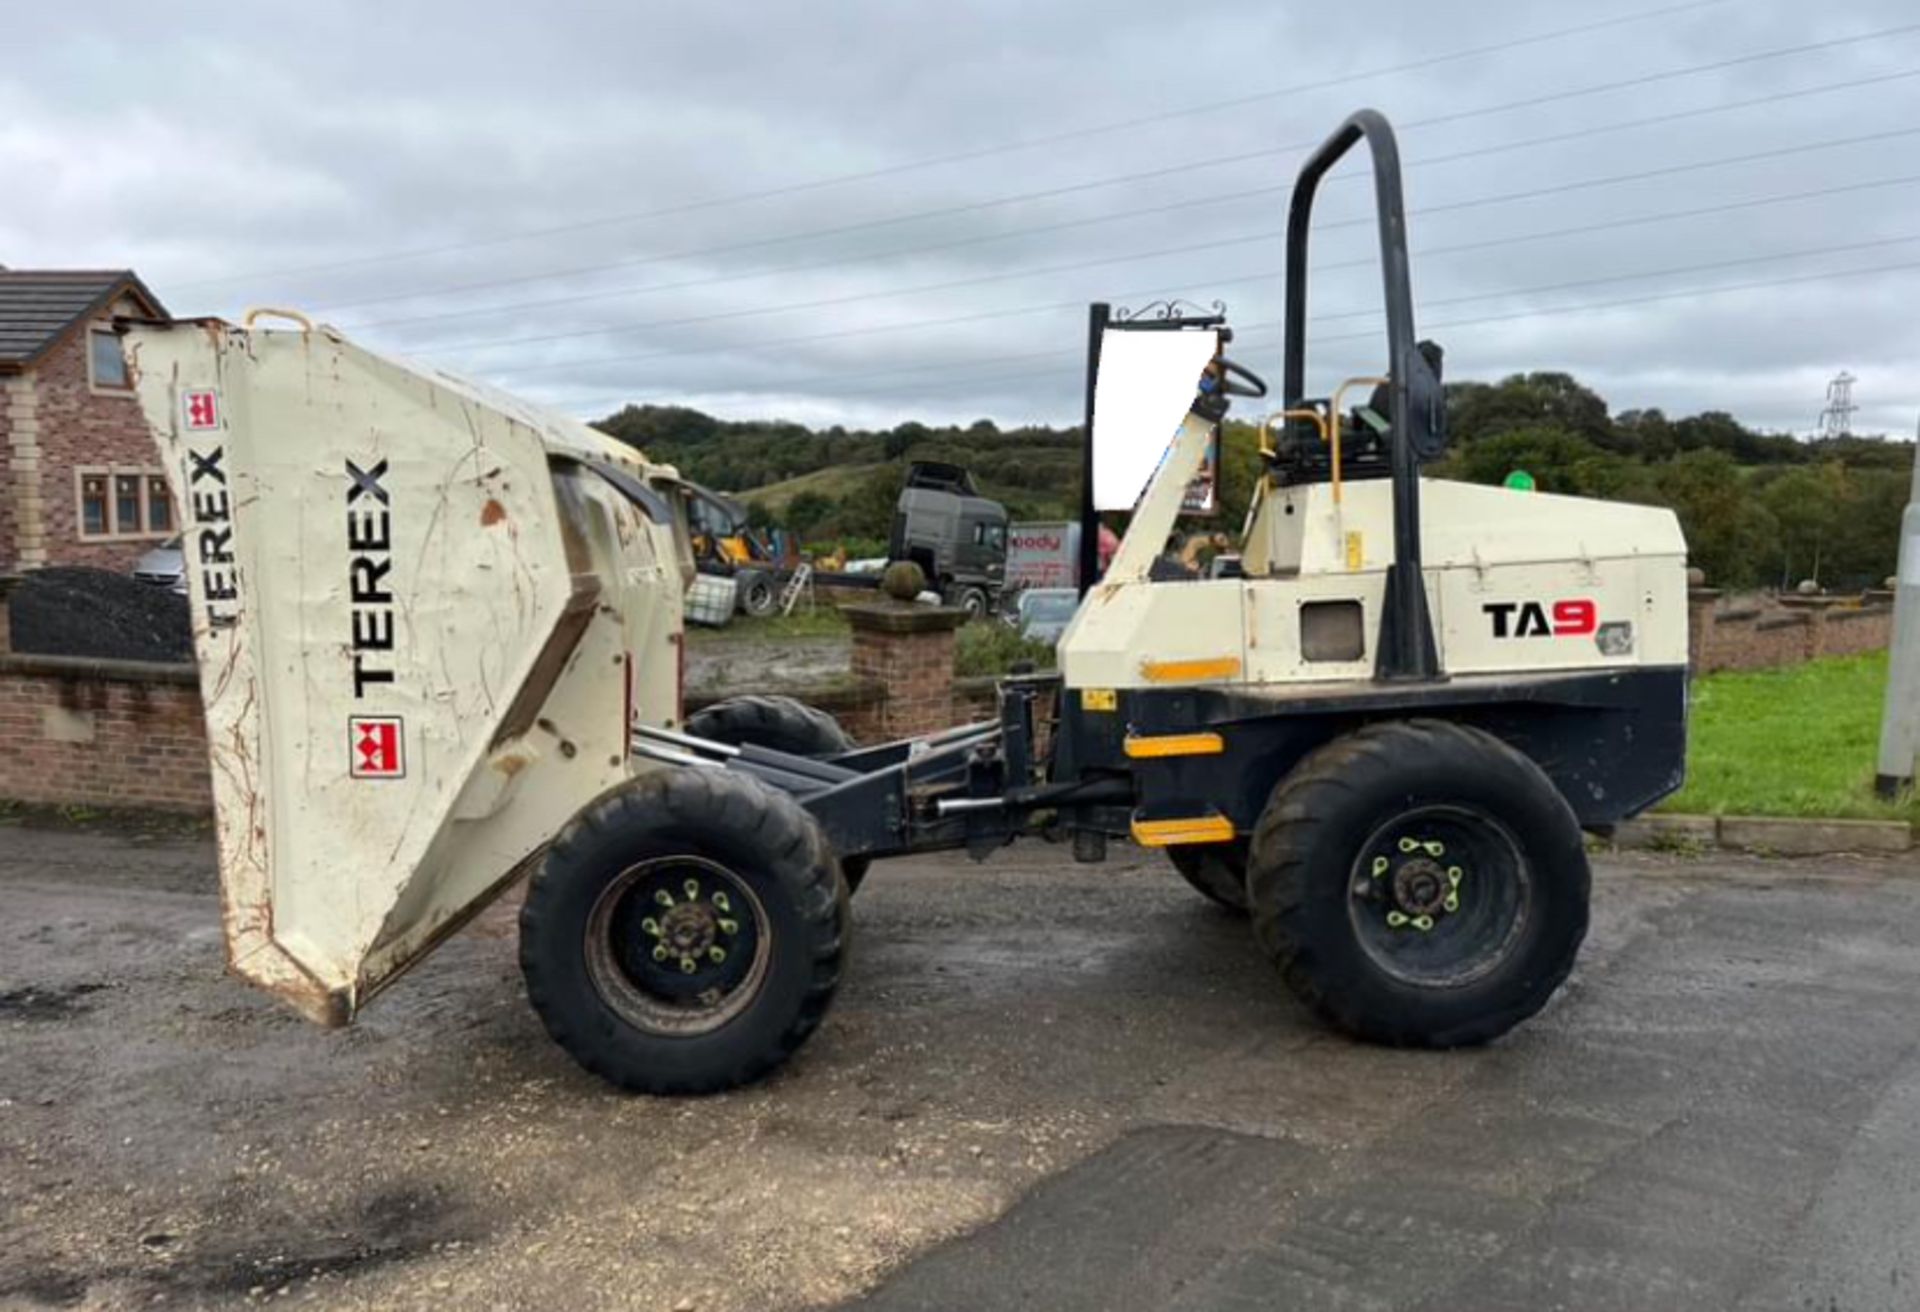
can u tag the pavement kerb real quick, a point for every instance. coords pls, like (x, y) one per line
(1768, 835)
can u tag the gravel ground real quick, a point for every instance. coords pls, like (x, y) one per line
(1717, 1089)
(72, 611)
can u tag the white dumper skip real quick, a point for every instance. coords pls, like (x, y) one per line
(408, 592)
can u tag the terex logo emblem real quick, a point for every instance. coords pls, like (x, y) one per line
(202, 410)
(1574, 618)
(377, 747)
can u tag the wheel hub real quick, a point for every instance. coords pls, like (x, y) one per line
(1418, 884)
(689, 928)
(1420, 887)
(693, 932)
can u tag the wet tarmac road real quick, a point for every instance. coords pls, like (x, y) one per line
(1043, 1086)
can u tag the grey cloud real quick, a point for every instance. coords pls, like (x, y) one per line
(203, 143)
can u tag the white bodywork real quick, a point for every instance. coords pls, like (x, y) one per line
(1483, 550)
(419, 620)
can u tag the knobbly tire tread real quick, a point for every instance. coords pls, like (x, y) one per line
(1290, 899)
(667, 812)
(779, 723)
(782, 725)
(1217, 871)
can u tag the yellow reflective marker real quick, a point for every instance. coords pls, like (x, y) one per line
(1356, 550)
(1099, 699)
(1176, 744)
(1191, 671)
(1183, 832)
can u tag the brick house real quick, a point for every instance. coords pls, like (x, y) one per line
(79, 480)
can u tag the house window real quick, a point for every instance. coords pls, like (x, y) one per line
(116, 504)
(106, 363)
(95, 516)
(159, 505)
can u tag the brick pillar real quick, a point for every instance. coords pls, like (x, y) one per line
(1700, 622)
(908, 650)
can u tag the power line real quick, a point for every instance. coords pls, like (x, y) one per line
(1850, 84)
(1421, 253)
(1245, 330)
(983, 152)
(1619, 303)
(1076, 266)
(1217, 161)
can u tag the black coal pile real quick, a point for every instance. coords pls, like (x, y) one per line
(72, 611)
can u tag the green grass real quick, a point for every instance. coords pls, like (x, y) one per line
(834, 481)
(1800, 741)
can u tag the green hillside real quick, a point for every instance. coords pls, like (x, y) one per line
(1758, 508)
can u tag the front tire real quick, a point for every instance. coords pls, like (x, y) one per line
(685, 932)
(1419, 883)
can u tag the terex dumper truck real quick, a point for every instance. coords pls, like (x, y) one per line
(439, 641)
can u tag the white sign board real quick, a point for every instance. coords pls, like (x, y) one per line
(1146, 385)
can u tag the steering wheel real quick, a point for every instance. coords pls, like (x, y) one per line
(1238, 380)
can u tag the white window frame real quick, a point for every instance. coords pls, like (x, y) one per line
(116, 531)
(94, 384)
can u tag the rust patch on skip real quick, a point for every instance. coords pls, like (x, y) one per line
(492, 513)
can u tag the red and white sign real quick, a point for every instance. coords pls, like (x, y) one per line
(376, 745)
(202, 410)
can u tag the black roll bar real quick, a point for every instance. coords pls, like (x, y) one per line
(1406, 649)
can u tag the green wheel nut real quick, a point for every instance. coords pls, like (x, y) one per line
(686, 965)
(663, 897)
(1453, 876)
(1423, 923)
(716, 954)
(1380, 865)
(1434, 848)
(660, 953)
(651, 927)
(720, 902)
(693, 889)
(1452, 903)
(1398, 920)
(1409, 844)
(729, 927)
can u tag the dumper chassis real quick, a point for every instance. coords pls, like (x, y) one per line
(1369, 744)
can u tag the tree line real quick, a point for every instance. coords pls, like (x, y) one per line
(1758, 508)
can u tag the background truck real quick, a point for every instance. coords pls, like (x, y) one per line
(439, 634)
(957, 537)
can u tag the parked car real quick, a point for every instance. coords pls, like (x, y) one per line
(164, 567)
(1045, 612)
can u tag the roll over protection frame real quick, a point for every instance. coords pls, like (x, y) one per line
(1407, 651)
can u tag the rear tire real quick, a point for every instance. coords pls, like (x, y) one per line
(685, 932)
(1218, 871)
(779, 724)
(1419, 883)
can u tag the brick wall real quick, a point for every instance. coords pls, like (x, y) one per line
(80, 427)
(1766, 637)
(102, 733)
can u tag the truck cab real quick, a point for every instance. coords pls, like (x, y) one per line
(957, 537)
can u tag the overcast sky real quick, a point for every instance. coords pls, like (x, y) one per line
(573, 201)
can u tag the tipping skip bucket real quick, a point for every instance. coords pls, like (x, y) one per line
(423, 613)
